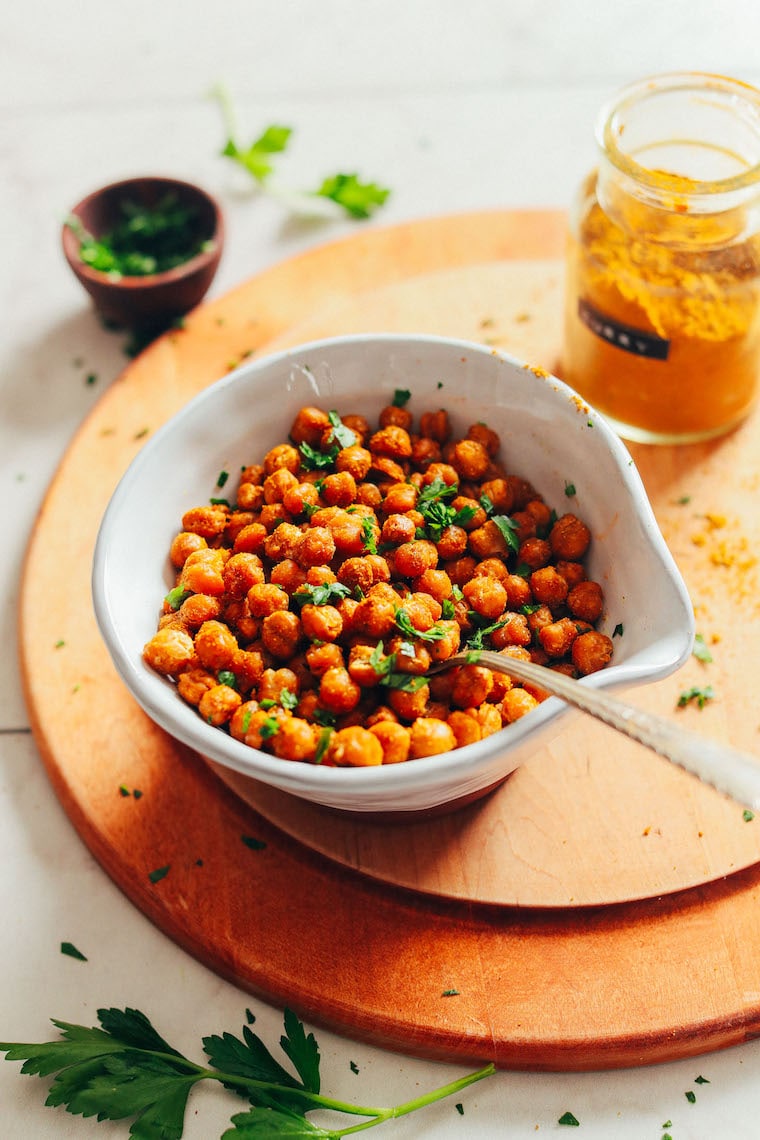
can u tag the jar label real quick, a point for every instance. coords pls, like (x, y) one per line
(633, 340)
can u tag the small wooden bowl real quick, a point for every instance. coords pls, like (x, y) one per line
(152, 301)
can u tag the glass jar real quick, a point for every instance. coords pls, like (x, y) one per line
(662, 324)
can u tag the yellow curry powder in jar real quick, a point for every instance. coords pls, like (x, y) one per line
(662, 327)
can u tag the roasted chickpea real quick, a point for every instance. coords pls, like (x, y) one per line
(460, 570)
(591, 651)
(321, 623)
(250, 496)
(297, 500)
(452, 543)
(314, 547)
(241, 572)
(339, 490)
(355, 747)
(241, 719)
(309, 426)
(400, 498)
(514, 631)
(338, 692)
(394, 740)
(486, 437)
(425, 451)
(548, 587)
(407, 703)
(217, 704)
(392, 415)
(586, 601)
(274, 681)
(215, 645)
(415, 557)
(192, 684)
(487, 540)
(535, 553)
(320, 658)
(198, 608)
(277, 485)
(465, 727)
(185, 543)
(486, 596)
(470, 459)
(203, 573)
(569, 538)
(281, 633)
(283, 455)
(288, 575)
(516, 703)
(435, 425)
(558, 636)
(250, 540)
(265, 598)
(436, 583)
(375, 615)
(283, 542)
(471, 686)
(448, 644)
(208, 522)
(355, 461)
(429, 737)
(391, 440)
(295, 740)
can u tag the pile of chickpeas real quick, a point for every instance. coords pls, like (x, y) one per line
(307, 612)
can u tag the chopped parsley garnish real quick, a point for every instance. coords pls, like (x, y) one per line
(475, 641)
(176, 597)
(322, 595)
(314, 460)
(450, 993)
(324, 717)
(123, 1069)
(568, 1118)
(691, 1096)
(404, 623)
(359, 199)
(368, 535)
(70, 950)
(159, 873)
(384, 668)
(227, 677)
(269, 728)
(222, 478)
(447, 609)
(340, 433)
(508, 528)
(253, 843)
(288, 699)
(700, 650)
(323, 744)
(435, 490)
(747, 816)
(618, 630)
(246, 721)
(487, 504)
(701, 1081)
(699, 695)
(569, 490)
(401, 397)
(437, 513)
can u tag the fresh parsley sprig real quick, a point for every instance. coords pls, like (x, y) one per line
(126, 1070)
(324, 594)
(385, 669)
(404, 623)
(346, 190)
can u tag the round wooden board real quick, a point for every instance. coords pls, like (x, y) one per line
(502, 901)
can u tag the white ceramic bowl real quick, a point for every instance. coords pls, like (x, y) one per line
(548, 435)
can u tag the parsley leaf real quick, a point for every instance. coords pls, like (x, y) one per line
(359, 199)
(322, 595)
(125, 1069)
(700, 695)
(509, 529)
(404, 623)
(176, 597)
(369, 538)
(700, 650)
(256, 157)
(313, 460)
(477, 638)
(340, 433)
(401, 397)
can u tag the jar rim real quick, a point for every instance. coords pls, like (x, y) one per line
(608, 129)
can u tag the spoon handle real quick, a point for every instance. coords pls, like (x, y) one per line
(735, 773)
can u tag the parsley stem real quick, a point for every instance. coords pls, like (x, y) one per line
(380, 1115)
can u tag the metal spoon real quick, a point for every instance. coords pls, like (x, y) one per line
(735, 773)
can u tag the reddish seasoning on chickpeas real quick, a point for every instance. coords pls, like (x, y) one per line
(304, 617)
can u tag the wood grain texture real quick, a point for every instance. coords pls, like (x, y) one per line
(599, 909)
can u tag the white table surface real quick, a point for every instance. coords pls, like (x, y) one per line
(455, 106)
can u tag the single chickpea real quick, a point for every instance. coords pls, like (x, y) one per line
(250, 496)
(515, 631)
(409, 704)
(283, 455)
(215, 645)
(355, 747)
(429, 737)
(309, 425)
(501, 494)
(538, 618)
(471, 504)
(338, 692)
(266, 598)
(535, 553)
(465, 727)
(183, 544)
(540, 513)
(375, 616)
(411, 657)
(242, 571)
(422, 610)
(241, 718)
(486, 437)
(217, 705)
(586, 601)
(369, 494)
(391, 415)
(236, 520)
(471, 686)
(448, 644)
(359, 425)
(199, 608)
(354, 461)
(470, 459)
(273, 515)
(493, 568)
(357, 574)
(320, 658)
(192, 684)
(572, 572)
(394, 740)
(443, 472)
(489, 718)
(452, 543)
(516, 703)
(486, 541)
(206, 521)
(436, 583)
(248, 667)
(415, 557)
(486, 596)
(518, 591)
(299, 499)
(391, 440)
(321, 623)
(380, 713)
(203, 573)
(460, 570)
(281, 633)
(400, 498)
(296, 739)
(278, 484)
(237, 615)
(424, 452)
(320, 576)
(252, 473)
(283, 542)
(314, 547)
(287, 575)
(348, 536)
(397, 528)
(435, 425)
(569, 538)
(558, 636)
(339, 490)
(548, 587)
(591, 651)
(250, 540)
(391, 469)
(521, 490)
(258, 726)
(360, 667)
